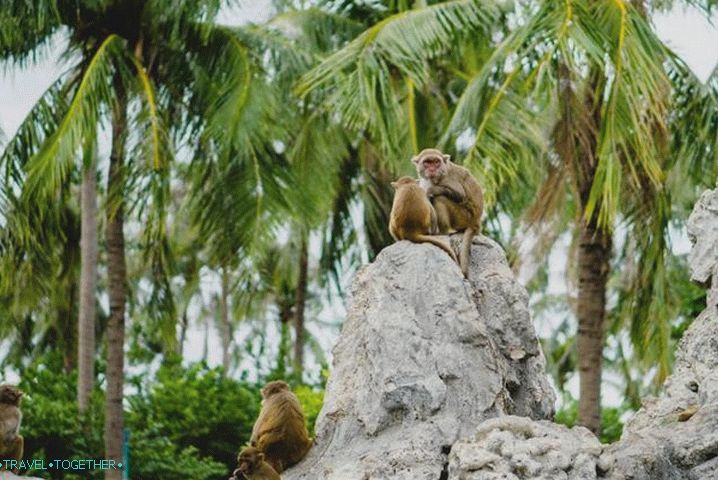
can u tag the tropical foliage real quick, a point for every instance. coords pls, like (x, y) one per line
(242, 174)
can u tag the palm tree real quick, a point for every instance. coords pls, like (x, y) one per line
(142, 66)
(88, 282)
(574, 101)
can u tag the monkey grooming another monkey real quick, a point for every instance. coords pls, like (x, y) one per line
(280, 432)
(455, 195)
(253, 467)
(11, 443)
(412, 216)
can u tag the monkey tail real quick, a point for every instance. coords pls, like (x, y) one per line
(465, 253)
(439, 243)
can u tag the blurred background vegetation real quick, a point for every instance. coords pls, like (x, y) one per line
(181, 211)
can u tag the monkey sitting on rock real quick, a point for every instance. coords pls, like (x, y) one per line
(253, 467)
(11, 443)
(412, 216)
(455, 195)
(280, 432)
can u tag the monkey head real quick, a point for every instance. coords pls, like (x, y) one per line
(249, 459)
(274, 387)
(404, 181)
(10, 395)
(431, 164)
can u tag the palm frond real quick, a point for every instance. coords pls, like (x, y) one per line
(361, 78)
(25, 28)
(633, 118)
(48, 169)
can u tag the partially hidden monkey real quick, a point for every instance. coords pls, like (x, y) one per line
(456, 196)
(11, 443)
(412, 216)
(280, 431)
(253, 467)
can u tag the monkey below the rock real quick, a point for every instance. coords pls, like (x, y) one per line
(11, 443)
(455, 195)
(280, 432)
(253, 467)
(412, 216)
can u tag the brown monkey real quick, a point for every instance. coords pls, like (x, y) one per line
(280, 432)
(412, 216)
(456, 196)
(253, 467)
(11, 443)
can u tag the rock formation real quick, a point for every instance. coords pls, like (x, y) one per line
(430, 366)
(674, 437)
(423, 358)
(4, 475)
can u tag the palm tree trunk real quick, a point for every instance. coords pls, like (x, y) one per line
(66, 332)
(117, 287)
(299, 309)
(224, 321)
(183, 332)
(594, 253)
(88, 285)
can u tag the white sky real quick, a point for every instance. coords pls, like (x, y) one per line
(686, 31)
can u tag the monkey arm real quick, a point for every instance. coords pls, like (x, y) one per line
(9, 429)
(16, 449)
(269, 436)
(453, 194)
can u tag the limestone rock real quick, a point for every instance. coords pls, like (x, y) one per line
(703, 232)
(423, 358)
(513, 448)
(4, 475)
(676, 435)
(673, 437)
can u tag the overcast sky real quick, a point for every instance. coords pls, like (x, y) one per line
(685, 30)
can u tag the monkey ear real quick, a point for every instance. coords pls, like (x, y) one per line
(415, 159)
(394, 184)
(447, 157)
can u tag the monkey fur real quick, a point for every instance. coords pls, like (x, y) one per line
(280, 431)
(412, 216)
(253, 467)
(11, 443)
(455, 195)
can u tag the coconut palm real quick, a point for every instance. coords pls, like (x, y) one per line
(306, 172)
(140, 67)
(577, 102)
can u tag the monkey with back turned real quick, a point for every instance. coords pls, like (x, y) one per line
(253, 467)
(412, 216)
(11, 443)
(280, 431)
(455, 195)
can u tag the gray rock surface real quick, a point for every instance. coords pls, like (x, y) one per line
(513, 448)
(673, 437)
(423, 358)
(703, 232)
(4, 475)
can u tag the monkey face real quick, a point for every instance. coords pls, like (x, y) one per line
(10, 395)
(431, 163)
(249, 458)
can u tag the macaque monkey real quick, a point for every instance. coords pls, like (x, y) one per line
(11, 443)
(456, 196)
(253, 467)
(280, 432)
(412, 216)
